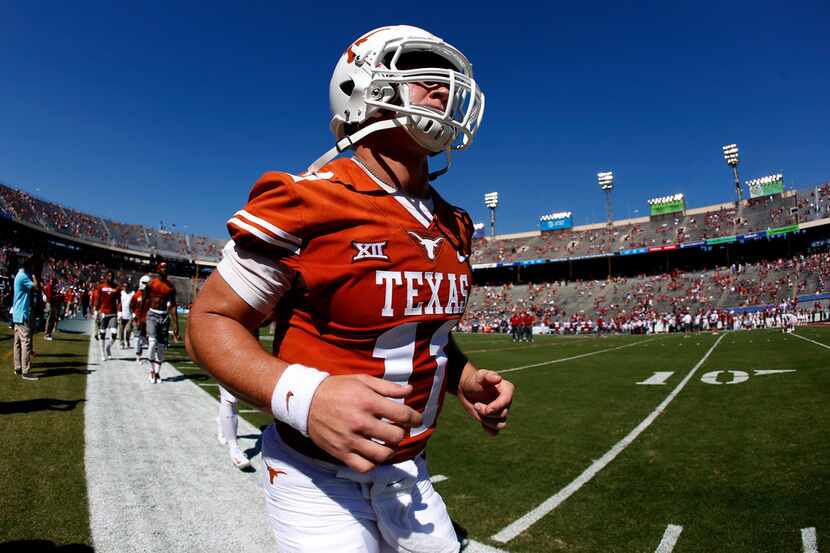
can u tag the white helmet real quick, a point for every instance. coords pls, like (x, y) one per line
(144, 281)
(367, 80)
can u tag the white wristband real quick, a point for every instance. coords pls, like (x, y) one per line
(291, 399)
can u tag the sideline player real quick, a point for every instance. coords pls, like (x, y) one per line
(367, 271)
(124, 316)
(139, 320)
(107, 305)
(159, 307)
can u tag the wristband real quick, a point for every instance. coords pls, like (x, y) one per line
(291, 398)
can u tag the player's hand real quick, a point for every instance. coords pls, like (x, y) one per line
(486, 396)
(350, 414)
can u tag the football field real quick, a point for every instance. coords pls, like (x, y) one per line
(618, 444)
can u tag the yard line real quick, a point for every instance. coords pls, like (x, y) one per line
(825, 346)
(517, 527)
(669, 539)
(250, 411)
(808, 540)
(581, 355)
(209, 385)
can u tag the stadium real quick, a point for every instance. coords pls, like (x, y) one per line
(617, 288)
(330, 344)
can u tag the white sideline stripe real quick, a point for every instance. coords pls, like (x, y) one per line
(209, 385)
(669, 539)
(435, 478)
(808, 540)
(143, 441)
(581, 355)
(515, 528)
(250, 411)
(825, 346)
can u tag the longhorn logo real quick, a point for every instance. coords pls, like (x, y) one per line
(430, 245)
(273, 473)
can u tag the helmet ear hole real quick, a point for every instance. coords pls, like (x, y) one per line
(347, 87)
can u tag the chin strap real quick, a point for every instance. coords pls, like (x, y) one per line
(348, 142)
(435, 174)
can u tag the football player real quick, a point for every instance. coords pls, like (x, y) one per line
(158, 303)
(139, 319)
(365, 268)
(107, 306)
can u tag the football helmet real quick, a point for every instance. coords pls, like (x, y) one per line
(371, 77)
(144, 281)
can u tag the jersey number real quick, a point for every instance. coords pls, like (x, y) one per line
(396, 347)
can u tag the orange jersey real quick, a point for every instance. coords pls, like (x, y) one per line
(135, 306)
(107, 298)
(380, 280)
(162, 290)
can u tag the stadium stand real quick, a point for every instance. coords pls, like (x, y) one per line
(707, 287)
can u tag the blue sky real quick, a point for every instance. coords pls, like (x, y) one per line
(150, 111)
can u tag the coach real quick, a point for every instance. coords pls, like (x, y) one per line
(24, 284)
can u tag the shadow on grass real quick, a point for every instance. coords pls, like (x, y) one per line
(60, 355)
(60, 372)
(39, 404)
(70, 340)
(43, 545)
(63, 364)
(184, 377)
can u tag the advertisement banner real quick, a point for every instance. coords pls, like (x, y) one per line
(634, 251)
(662, 208)
(765, 186)
(556, 224)
(782, 230)
(721, 240)
(697, 244)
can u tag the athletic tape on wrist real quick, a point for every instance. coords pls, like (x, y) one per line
(291, 399)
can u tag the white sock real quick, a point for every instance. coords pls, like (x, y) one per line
(229, 421)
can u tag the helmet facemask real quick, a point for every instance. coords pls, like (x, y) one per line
(421, 60)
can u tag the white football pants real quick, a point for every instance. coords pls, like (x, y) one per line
(314, 506)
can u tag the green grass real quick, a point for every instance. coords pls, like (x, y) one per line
(741, 467)
(42, 446)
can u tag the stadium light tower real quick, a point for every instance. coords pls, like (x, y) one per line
(730, 154)
(491, 200)
(606, 182)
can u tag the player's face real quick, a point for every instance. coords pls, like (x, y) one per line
(429, 95)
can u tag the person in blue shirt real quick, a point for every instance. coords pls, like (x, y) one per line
(25, 283)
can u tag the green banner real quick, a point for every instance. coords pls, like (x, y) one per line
(674, 206)
(782, 230)
(765, 186)
(720, 240)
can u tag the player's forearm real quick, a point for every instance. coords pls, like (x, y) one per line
(227, 350)
(457, 364)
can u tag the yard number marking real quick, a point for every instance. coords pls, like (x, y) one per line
(739, 376)
(659, 378)
(669, 539)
